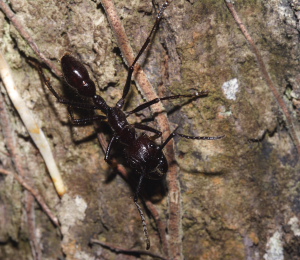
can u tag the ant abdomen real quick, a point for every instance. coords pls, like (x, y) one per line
(77, 76)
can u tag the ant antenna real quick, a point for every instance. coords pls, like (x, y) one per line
(172, 135)
(163, 7)
(141, 212)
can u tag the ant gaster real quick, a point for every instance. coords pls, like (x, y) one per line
(140, 152)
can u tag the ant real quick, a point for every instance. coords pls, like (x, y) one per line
(141, 153)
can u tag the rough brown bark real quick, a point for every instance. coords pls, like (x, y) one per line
(239, 196)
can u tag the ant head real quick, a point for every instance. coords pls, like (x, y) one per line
(77, 76)
(146, 157)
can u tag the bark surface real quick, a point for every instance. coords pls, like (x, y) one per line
(239, 195)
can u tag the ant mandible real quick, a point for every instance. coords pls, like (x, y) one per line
(140, 152)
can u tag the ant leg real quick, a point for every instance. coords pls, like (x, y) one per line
(61, 99)
(84, 121)
(172, 135)
(109, 147)
(141, 212)
(150, 129)
(120, 103)
(156, 100)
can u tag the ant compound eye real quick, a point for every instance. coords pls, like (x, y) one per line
(162, 165)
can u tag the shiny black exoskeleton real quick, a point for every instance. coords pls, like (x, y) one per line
(140, 151)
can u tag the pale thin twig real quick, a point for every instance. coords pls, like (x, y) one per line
(265, 74)
(32, 127)
(37, 196)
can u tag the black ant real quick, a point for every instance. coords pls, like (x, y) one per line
(140, 151)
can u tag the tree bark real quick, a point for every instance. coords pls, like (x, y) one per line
(238, 196)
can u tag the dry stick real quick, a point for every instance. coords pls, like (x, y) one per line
(35, 245)
(120, 250)
(144, 86)
(26, 36)
(265, 74)
(37, 196)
